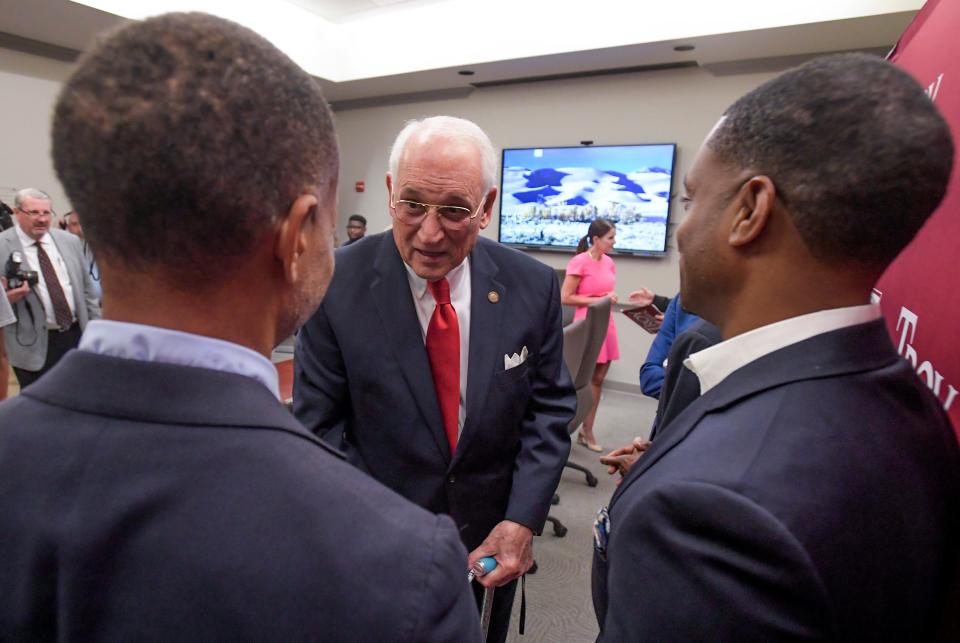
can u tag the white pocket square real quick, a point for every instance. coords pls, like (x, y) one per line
(512, 361)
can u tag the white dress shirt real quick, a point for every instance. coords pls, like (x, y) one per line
(59, 267)
(423, 301)
(162, 345)
(712, 365)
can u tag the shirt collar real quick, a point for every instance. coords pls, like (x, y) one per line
(418, 285)
(712, 365)
(26, 240)
(154, 344)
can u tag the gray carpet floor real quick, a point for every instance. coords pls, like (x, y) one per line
(559, 607)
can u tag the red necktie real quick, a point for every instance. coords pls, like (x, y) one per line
(61, 309)
(443, 350)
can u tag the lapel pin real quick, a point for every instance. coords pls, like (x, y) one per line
(493, 296)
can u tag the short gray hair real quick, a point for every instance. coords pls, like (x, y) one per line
(29, 193)
(452, 127)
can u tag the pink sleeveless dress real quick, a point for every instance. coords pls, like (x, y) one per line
(596, 278)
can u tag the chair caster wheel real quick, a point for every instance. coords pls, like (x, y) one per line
(591, 480)
(560, 531)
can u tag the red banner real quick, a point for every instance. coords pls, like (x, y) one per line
(920, 292)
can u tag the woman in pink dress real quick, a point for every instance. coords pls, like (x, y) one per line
(591, 275)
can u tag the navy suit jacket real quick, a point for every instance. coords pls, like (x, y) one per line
(153, 502)
(363, 382)
(681, 385)
(814, 494)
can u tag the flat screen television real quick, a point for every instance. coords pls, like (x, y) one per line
(549, 195)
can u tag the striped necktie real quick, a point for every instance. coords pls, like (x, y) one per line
(61, 309)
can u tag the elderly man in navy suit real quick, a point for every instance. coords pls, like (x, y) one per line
(172, 497)
(812, 491)
(435, 361)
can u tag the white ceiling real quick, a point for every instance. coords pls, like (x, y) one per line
(344, 10)
(368, 49)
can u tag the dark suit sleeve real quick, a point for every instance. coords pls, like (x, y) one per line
(661, 302)
(448, 611)
(696, 562)
(544, 439)
(680, 385)
(321, 397)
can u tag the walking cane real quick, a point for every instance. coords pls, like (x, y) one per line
(481, 568)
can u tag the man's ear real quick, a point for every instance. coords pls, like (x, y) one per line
(756, 199)
(291, 238)
(389, 189)
(487, 212)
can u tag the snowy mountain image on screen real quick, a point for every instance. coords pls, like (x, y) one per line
(554, 206)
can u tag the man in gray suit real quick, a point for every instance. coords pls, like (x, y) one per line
(52, 312)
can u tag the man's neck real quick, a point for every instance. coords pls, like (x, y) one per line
(754, 308)
(245, 318)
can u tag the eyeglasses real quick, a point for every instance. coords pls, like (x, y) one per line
(33, 214)
(451, 216)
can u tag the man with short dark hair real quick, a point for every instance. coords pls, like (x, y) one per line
(172, 497)
(436, 360)
(53, 309)
(356, 228)
(812, 491)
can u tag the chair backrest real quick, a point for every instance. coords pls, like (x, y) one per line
(598, 323)
(574, 345)
(567, 312)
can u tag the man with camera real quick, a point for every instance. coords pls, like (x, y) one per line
(48, 286)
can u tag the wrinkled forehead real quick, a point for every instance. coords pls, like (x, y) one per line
(32, 203)
(442, 155)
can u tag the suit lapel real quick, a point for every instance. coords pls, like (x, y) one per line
(390, 291)
(485, 321)
(11, 244)
(853, 349)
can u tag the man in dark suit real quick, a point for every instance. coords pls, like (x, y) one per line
(679, 389)
(53, 311)
(680, 385)
(171, 497)
(356, 228)
(435, 361)
(811, 492)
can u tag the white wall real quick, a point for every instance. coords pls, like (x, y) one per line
(28, 90)
(657, 107)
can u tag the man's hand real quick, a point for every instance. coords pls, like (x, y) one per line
(512, 545)
(642, 297)
(16, 294)
(620, 460)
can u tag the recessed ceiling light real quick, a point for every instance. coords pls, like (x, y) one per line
(466, 72)
(684, 48)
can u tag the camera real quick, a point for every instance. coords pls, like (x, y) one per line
(16, 275)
